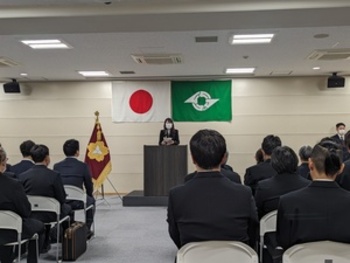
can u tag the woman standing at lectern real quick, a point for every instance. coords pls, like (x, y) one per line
(169, 135)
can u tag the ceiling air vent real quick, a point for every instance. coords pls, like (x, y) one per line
(157, 59)
(6, 62)
(330, 54)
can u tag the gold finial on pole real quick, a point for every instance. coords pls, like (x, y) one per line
(97, 114)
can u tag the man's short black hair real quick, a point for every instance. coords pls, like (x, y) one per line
(269, 143)
(327, 157)
(207, 147)
(70, 147)
(25, 147)
(284, 160)
(39, 153)
(340, 124)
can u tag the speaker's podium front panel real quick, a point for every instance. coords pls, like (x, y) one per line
(164, 167)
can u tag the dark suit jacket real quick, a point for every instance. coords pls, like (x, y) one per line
(210, 207)
(232, 176)
(314, 213)
(344, 178)
(346, 154)
(258, 172)
(268, 191)
(22, 166)
(303, 170)
(13, 198)
(40, 180)
(10, 175)
(174, 135)
(76, 173)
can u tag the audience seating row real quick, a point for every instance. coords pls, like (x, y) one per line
(10, 220)
(232, 251)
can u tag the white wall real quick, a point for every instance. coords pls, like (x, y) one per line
(299, 110)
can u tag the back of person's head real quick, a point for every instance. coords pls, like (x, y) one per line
(224, 160)
(168, 121)
(259, 156)
(39, 153)
(284, 160)
(305, 152)
(269, 143)
(25, 147)
(208, 148)
(70, 147)
(327, 157)
(3, 158)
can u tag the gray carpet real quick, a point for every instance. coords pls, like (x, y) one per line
(127, 235)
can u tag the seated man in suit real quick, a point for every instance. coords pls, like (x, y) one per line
(13, 198)
(264, 170)
(285, 161)
(27, 161)
(304, 155)
(210, 207)
(76, 173)
(320, 211)
(40, 180)
(344, 178)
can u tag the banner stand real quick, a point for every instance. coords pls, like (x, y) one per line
(103, 193)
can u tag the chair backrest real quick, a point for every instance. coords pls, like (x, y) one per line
(75, 193)
(318, 252)
(10, 220)
(72, 179)
(216, 251)
(268, 223)
(44, 204)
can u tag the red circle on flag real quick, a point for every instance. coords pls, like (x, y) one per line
(141, 101)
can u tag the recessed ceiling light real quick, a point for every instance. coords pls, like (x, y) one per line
(316, 68)
(46, 44)
(24, 74)
(251, 39)
(94, 73)
(240, 70)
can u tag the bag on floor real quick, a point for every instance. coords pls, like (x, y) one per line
(74, 241)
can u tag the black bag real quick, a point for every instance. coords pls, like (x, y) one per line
(74, 241)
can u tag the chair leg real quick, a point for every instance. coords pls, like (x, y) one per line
(19, 247)
(261, 248)
(58, 241)
(37, 246)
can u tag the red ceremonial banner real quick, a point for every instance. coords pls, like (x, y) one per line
(97, 155)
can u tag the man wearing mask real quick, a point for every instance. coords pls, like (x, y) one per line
(339, 138)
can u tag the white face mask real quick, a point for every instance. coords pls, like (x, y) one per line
(341, 132)
(168, 126)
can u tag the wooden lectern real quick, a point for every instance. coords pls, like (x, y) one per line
(164, 167)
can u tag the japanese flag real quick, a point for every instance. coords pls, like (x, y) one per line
(140, 101)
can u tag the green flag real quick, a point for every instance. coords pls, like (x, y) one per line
(201, 100)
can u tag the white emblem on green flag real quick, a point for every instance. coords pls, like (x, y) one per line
(201, 100)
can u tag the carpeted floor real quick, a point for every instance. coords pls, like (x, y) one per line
(126, 235)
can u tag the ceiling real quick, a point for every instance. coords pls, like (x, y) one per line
(104, 34)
